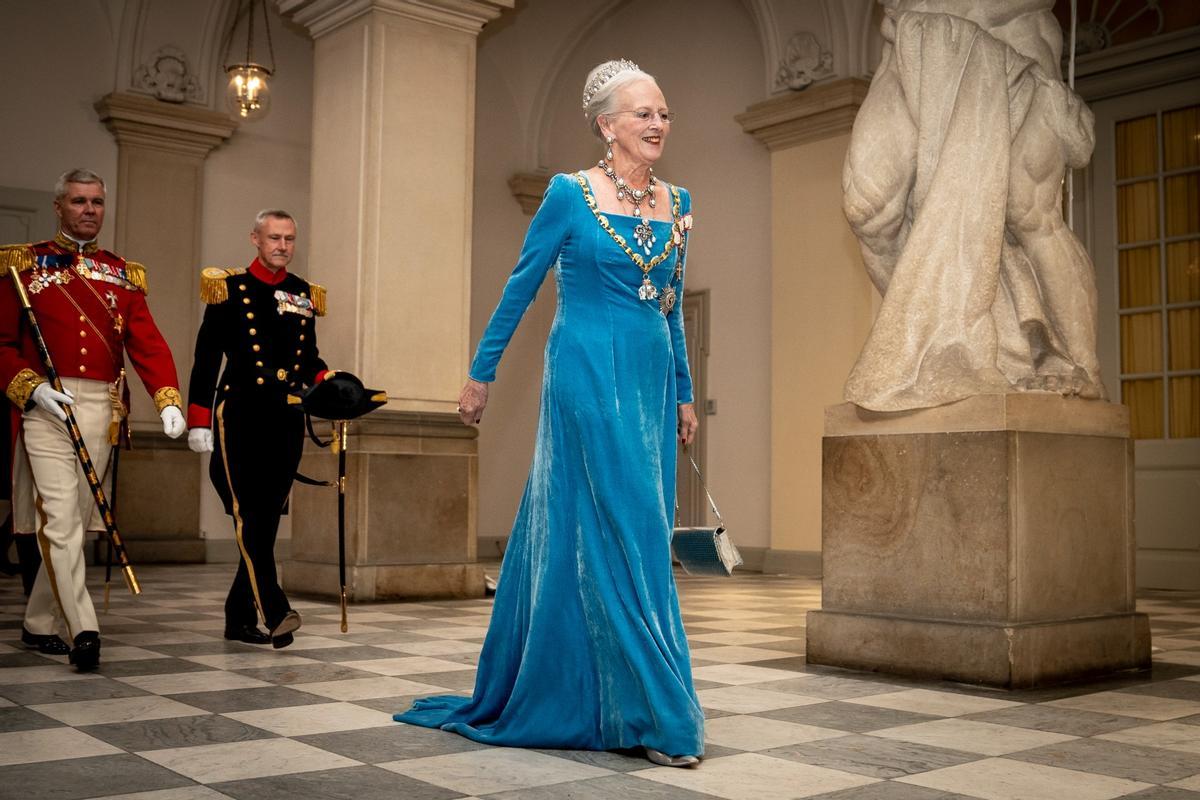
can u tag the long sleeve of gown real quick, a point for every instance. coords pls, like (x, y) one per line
(683, 373)
(545, 238)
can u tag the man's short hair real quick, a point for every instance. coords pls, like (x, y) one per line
(76, 175)
(275, 213)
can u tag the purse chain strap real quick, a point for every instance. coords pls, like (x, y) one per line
(711, 502)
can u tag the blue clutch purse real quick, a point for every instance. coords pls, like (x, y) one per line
(705, 550)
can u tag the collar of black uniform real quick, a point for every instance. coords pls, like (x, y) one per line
(267, 276)
(69, 243)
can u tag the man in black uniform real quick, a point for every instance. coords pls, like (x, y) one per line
(262, 321)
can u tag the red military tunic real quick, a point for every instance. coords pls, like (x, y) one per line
(91, 308)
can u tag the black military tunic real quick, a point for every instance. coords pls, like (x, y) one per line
(263, 325)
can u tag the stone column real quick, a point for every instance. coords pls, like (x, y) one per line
(159, 183)
(392, 174)
(989, 541)
(821, 301)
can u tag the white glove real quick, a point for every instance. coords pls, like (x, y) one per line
(172, 419)
(49, 398)
(200, 440)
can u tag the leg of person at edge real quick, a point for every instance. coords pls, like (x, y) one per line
(261, 321)
(91, 307)
(29, 558)
(586, 647)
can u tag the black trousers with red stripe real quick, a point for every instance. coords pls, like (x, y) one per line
(257, 443)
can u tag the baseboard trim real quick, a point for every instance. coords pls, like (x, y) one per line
(803, 563)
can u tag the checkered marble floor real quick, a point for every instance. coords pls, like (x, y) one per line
(177, 713)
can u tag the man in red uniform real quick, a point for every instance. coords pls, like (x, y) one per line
(91, 307)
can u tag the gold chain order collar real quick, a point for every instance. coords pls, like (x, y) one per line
(642, 264)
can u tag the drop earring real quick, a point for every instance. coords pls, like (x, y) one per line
(608, 153)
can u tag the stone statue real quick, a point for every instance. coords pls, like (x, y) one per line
(953, 185)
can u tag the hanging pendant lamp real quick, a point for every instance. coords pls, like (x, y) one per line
(248, 94)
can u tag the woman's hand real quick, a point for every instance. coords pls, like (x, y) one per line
(687, 423)
(471, 401)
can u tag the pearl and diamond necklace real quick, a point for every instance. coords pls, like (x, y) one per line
(643, 233)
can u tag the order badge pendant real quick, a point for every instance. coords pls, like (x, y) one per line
(666, 300)
(643, 234)
(647, 291)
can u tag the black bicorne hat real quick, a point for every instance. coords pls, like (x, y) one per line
(341, 395)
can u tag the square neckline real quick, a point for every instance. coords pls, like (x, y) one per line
(592, 189)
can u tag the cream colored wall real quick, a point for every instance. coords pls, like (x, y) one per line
(48, 91)
(710, 67)
(822, 312)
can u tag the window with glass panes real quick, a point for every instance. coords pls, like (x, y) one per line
(1158, 257)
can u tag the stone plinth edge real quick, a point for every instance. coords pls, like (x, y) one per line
(1029, 412)
(823, 111)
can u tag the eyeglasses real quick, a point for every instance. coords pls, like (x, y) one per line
(645, 114)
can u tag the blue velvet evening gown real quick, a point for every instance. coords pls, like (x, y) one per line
(586, 647)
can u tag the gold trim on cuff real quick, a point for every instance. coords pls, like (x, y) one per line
(167, 396)
(22, 386)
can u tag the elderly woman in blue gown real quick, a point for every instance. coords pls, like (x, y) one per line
(586, 648)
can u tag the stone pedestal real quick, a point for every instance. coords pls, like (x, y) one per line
(410, 512)
(988, 541)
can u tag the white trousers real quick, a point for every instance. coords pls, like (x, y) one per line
(64, 507)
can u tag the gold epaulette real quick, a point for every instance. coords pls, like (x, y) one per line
(16, 255)
(317, 293)
(213, 289)
(135, 273)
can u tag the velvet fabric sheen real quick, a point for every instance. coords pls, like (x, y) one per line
(586, 647)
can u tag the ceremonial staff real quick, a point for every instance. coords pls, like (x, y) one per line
(85, 460)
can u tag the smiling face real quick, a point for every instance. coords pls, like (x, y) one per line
(275, 240)
(638, 123)
(80, 210)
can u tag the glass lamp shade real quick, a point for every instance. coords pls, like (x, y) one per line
(248, 94)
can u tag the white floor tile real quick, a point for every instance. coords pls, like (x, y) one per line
(1190, 658)
(737, 625)
(117, 709)
(265, 658)
(235, 761)
(1004, 779)
(434, 647)
(761, 733)
(972, 737)
(742, 674)
(160, 637)
(494, 770)
(1142, 706)
(751, 776)
(747, 700)
(454, 632)
(1191, 784)
(1167, 735)
(128, 653)
(410, 665)
(315, 718)
(51, 673)
(926, 701)
(737, 637)
(50, 744)
(184, 682)
(737, 655)
(181, 793)
(366, 688)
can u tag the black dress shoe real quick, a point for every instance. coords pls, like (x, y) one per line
(281, 634)
(46, 643)
(85, 655)
(250, 634)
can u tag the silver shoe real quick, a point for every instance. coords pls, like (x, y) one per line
(664, 760)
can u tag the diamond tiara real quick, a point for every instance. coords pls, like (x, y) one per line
(609, 71)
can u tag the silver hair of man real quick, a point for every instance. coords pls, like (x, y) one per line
(604, 101)
(273, 213)
(77, 175)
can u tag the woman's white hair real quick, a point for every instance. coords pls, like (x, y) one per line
(600, 88)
